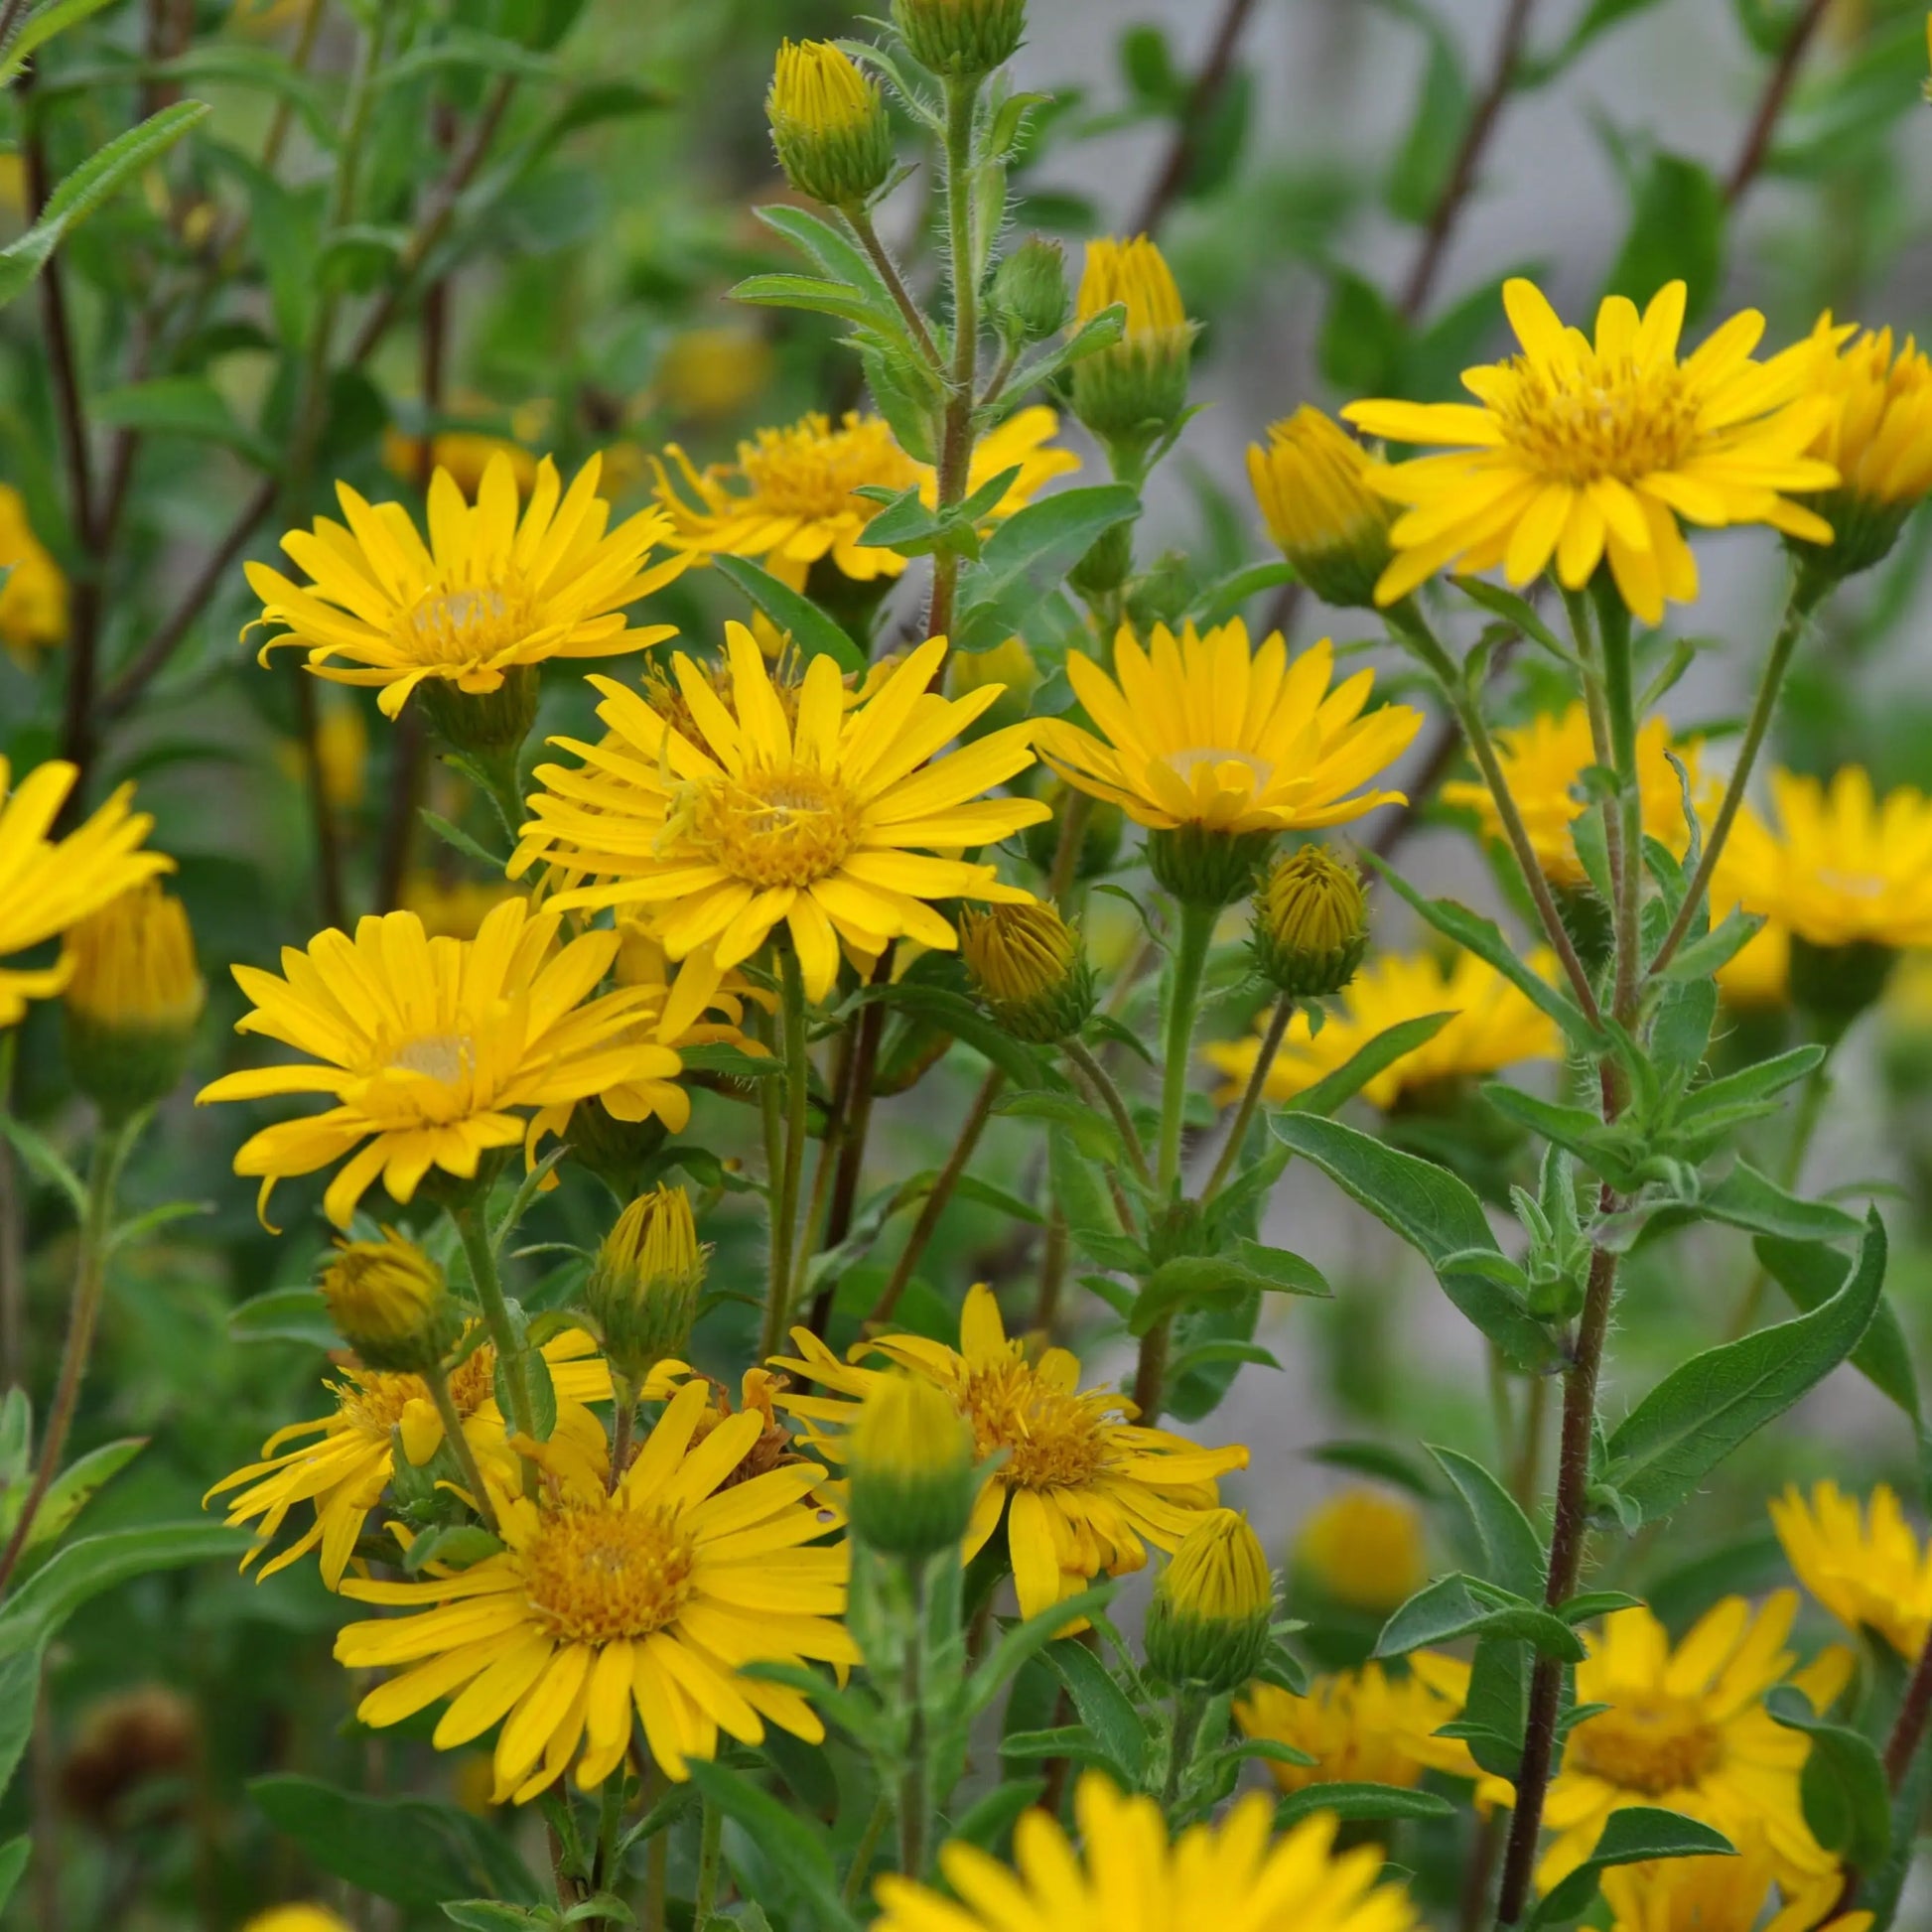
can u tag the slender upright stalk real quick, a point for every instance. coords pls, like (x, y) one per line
(472, 1230)
(1908, 1728)
(913, 1797)
(624, 1418)
(1183, 1003)
(1102, 1082)
(881, 259)
(1271, 1045)
(862, 1857)
(610, 1816)
(956, 443)
(112, 1141)
(13, 1238)
(1188, 1708)
(791, 1171)
(436, 1379)
(1805, 594)
(711, 1832)
(1620, 691)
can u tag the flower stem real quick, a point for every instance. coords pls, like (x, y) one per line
(1619, 690)
(957, 444)
(112, 1142)
(912, 1793)
(471, 1228)
(1188, 1708)
(1805, 593)
(791, 1171)
(941, 1194)
(436, 1379)
(710, 1836)
(1271, 1045)
(624, 1416)
(862, 1856)
(881, 259)
(1102, 1082)
(1183, 1003)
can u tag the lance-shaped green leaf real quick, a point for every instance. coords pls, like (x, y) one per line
(12, 1861)
(39, 27)
(1360, 1801)
(1436, 1214)
(1114, 1725)
(1811, 1273)
(69, 1493)
(811, 630)
(1246, 1268)
(1634, 1835)
(1334, 1090)
(782, 1834)
(1513, 1555)
(1457, 1606)
(1691, 1420)
(1746, 1198)
(1846, 1800)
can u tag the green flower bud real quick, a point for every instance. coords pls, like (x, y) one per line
(911, 1461)
(1133, 393)
(828, 123)
(390, 1304)
(1311, 925)
(1203, 867)
(644, 1286)
(1207, 1627)
(960, 37)
(1313, 484)
(1029, 969)
(486, 725)
(1027, 299)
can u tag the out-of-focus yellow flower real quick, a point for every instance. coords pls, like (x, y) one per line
(1757, 977)
(341, 755)
(788, 500)
(1364, 1548)
(390, 1302)
(707, 374)
(1365, 1725)
(1729, 1894)
(909, 1460)
(465, 452)
(1863, 1563)
(452, 909)
(1543, 763)
(132, 1001)
(1316, 486)
(1496, 1025)
(303, 1917)
(34, 600)
(1574, 451)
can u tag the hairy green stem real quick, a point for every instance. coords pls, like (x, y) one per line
(1183, 1003)
(862, 1852)
(956, 444)
(784, 1207)
(1271, 1045)
(881, 259)
(913, 1796)
(1188, 1708)
(710, 1844)
(1102, 1082)
(436, 1379)
(472, 1230)
(1620, 695)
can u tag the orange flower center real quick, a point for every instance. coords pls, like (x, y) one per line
(810, 470)
(1596, 419)
(1652, 1744)
(784, 826)
(372, 1400)
(463, 624)
(603, 1572)
(1051, 1438)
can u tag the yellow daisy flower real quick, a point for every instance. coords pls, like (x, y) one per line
(1543, 763)
(1203, 731)
(1364, 1725)
(48, 885)
(1082, 1490)
(465, 452)
(34, 598)
(816, 824)
(1758, 976)
(1364, 1548)
(1575, 449)
(1687, 1730)
(787, 500)
(1723, 1895)
(1232, 1873)
(486, 596)
(343, 1472)
(430, 1047)
(1865, 1569)
(1495, 1024)
(652, 1595)
(1844, 867)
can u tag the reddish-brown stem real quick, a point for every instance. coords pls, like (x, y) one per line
(1770, 104)
(1210, 83)
(1909, 1730)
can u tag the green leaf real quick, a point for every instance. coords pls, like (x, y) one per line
(1699, 958)
(1360, 1801)
(1030, 552)
(1517, 611)
(1450, 1609)
(1094, 1133)
(1633, 1835)
(1362, 336)
(987, 1823)
(487, 1915)
(183, 405)
(1246, 1268)
(1105, 1709)
(121, 161)
(1334, 1090)
(44, 1159)
(458, 840)
(1436, 1213)
(409, 1850)
(1750, 1084)
(1811, 1273)
(1846, 1800)
(1484, 938)
(823, 298)
(811, 628)
(1436, 132)
(1691, 1420)
(285, 1314)
(15, 1436)
(71, 1491)
(1025, 1640)
(12, 1861)
(782, 1834)
(1746, 1198)
(1513, 1552)
(1677, 232)
(964, 1021)
(35, 32)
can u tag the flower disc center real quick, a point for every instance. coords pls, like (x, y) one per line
(1051, 1438)
(1191, 759)
(1649, 1745)
(463, 623)
(603, 1571)
(786, 826)
(810, 470)
(1580, 424)
(444, 1057)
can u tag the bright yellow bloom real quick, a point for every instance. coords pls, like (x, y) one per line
(290, 1918)
(1364, 1548)
(49, 884)
(1136, 275)
(1723, 1895)
(430, 1047)
(1687, 1730)
(823, 825)
(1203, 731)
(1232, 1875)
(816, 84)
(828, 124)
(788, 500)
(343, 1472)
(131, 965)
(1365, 1725)
(34, 598)
(1315, 485)
(1844, 867)
(1867, 1570)
(653, 1595)
(489, 595)
(1573, 449)
(1878, 437)
(1132, 391)
(1496, 1025)
(1082, 1490)
(465, 454)
(1543, 763)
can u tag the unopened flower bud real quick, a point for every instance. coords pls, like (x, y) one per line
(484, 725)
(1133, 393)
(1207, 1627)
(644, 1283)
(1313, 484)
(1029, 969)
(1311, 924)
(911, 1461)
(1201, 865)
(1027, 299)
(960, 37)
(132, 1000)
(828, 123)
(390, 1304)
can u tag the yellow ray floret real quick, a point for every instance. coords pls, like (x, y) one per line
(1687, 1730)
(1867, 1565)
(1082, 1490)
(48, 885)
(1577, 450)
(486, 595)
(1495, 1024)
(1365, 1725)
(652, 1596)
(1724, 1894)
(432, 1047)
(822, 822)
(1232, 1875)
(1203, 731)
(788, 499)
